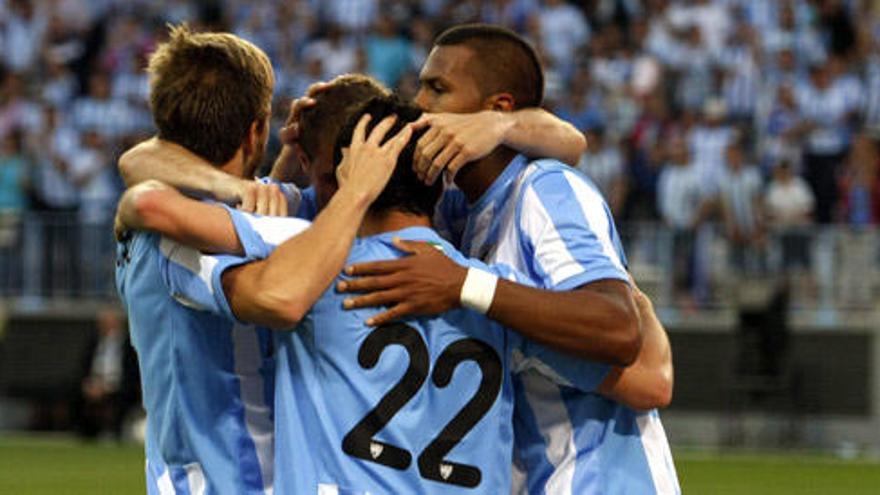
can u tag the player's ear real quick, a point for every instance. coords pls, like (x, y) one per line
(500, 102)
(252, 141)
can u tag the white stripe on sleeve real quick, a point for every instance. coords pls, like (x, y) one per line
(275, 230)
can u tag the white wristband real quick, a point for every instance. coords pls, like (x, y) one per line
(478, 290)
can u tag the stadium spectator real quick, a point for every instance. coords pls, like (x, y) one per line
(389, 54)
(860, 192)
(13, 201)
(563, 29)
(788, 205)
(339, 55)
(647, 151)
(56, 197)
(826, 112)
(708, 141)
(741, 203)
(17, 111)
(781, 131)
(683, 206)
(14, 174)
(23, 31)
(355, 16)
(92, 171)
(602, 162)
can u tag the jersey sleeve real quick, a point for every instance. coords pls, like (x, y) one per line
(559, 368)
(568, 232)
(194, 278)
(297, 199)
(260, 235)
(308, 206)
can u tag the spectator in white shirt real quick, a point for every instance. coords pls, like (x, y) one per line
(711, 18)
(788, 205)
(338, 55)
(355, 16)
(707, 142)
(23, 33)
(563, 30)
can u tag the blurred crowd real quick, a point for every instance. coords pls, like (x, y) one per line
(759, 116)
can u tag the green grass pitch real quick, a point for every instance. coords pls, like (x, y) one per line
(55, 465)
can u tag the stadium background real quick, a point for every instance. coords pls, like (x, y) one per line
(735, 140)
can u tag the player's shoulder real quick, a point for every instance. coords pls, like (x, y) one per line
(542, 167)
(545, 172)
(548, 178)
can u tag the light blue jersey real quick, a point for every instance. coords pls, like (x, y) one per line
(547, 220)
(207, 380)
(420, 406)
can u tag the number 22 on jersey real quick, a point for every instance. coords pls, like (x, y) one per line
(359, 442)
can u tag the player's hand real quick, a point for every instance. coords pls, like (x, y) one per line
(291, 131)
(426, 282)
(262, 199)
(454, 140)
(367, 164)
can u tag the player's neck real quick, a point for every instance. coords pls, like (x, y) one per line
(235, 165)
(475, 178)
(390, 221)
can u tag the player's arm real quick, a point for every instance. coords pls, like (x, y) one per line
(155, 206)
(597, 321)
(648, 382)
(455, 140)
(178, 167)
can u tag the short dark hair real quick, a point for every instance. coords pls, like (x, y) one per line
(503, 61)
(343, 95)
(206, 89)
(404, 192)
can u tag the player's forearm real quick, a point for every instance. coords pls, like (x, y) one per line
(597, 322)
(155, 207)
(648, 383)
(179, 168)
(278, 292)
(536, 132)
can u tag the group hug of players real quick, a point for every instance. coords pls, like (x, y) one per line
(445, 309)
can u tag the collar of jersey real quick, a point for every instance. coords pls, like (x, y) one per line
(501, 183)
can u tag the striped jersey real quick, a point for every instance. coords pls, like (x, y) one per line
(423, 405)
(207, 379)
(549, 221)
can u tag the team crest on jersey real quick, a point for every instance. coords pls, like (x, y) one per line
(376, 449)
(445, 471)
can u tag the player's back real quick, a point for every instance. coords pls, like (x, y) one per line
(419, 406)
(206, 382)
